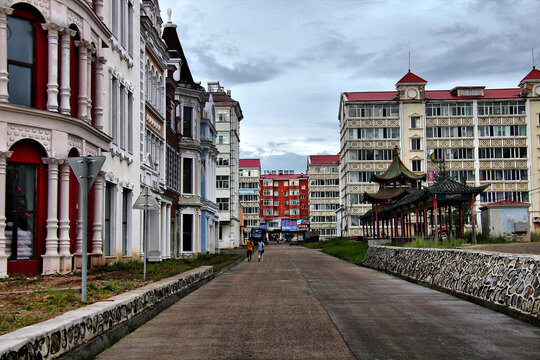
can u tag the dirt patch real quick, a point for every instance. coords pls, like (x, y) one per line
(29, 300)
(529, 248)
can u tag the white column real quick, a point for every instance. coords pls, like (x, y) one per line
(65, 89)
(168, 240)
(98, 113)
(4, 96)
(83, 79)
(63, 237)
(97, 226)
(3, 256)
(89, 59)
(51, 259)
(163, 229)
(79, 237)
(52, 83)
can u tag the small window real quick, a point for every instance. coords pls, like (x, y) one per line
(415, 122)
(187, 130)
(417, 165)
(415, 144)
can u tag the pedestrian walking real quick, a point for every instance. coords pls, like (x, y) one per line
(261, 250)
(249, 247)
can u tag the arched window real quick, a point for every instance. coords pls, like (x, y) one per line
(27, 57)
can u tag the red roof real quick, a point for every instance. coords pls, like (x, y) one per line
(411, 78)
(284, 176)
(371, 96)
(488, 94)
(250, 163)
(324, 159)
(508, 203)
(433, 94)
(534, 74)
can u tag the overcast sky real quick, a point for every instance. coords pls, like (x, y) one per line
(287, 61)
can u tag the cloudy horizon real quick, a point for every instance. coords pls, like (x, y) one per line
(287, 62)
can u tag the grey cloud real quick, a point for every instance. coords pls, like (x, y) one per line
(245, 69)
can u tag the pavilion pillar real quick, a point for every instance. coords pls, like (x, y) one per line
(377, 220)
(435, 218)
(460, 220)
(450, 220)
(472, 221)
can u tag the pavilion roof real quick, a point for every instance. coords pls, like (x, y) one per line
(387, 194)
(397, 171)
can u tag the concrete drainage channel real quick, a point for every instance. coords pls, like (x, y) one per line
(85, 332)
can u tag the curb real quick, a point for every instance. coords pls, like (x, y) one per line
(85, 332)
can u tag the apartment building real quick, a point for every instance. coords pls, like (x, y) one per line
(228, 117)
(284, 204)
(249, 180)
(485, 136)
(324, 198)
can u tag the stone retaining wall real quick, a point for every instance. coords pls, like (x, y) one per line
(59, 336)
(505, 282)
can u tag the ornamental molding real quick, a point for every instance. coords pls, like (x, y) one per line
(74, 18)
(75, 142)
(19, 132)
(91, 150)
(43, 5)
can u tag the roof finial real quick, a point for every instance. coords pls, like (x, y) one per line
(169, 13)
(532, 52)
(409, 61)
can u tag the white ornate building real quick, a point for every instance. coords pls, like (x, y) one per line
(66, 89)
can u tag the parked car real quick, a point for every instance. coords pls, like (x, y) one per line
(294, 241)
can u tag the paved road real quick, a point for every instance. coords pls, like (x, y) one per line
(303, 304)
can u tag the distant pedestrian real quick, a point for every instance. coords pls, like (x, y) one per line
(249, 249)
(261, 250)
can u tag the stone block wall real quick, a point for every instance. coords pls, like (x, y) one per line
(61, 335)
(510, 283)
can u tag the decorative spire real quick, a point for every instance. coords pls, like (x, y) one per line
(169, 22)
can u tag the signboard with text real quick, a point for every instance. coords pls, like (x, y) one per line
(288, 225)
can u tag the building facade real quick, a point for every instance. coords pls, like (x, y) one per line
(66, 67)
(228, 117)
(249, 180)
(484, 136)
(284, 204)
(324, 198)
(153, 130)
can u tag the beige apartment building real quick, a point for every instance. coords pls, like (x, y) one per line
(323, 171)
(485, 136)
(248, 188)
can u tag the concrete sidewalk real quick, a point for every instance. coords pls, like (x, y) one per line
(303, 304)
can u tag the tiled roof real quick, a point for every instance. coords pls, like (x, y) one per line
(386, 194)
(371, 96)
(534, 74)
(323, 159)
(432, 94)
(488, 94)
(251, 163)
(397, 170)
(411, 78)
(508, 203)
(450, 186)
